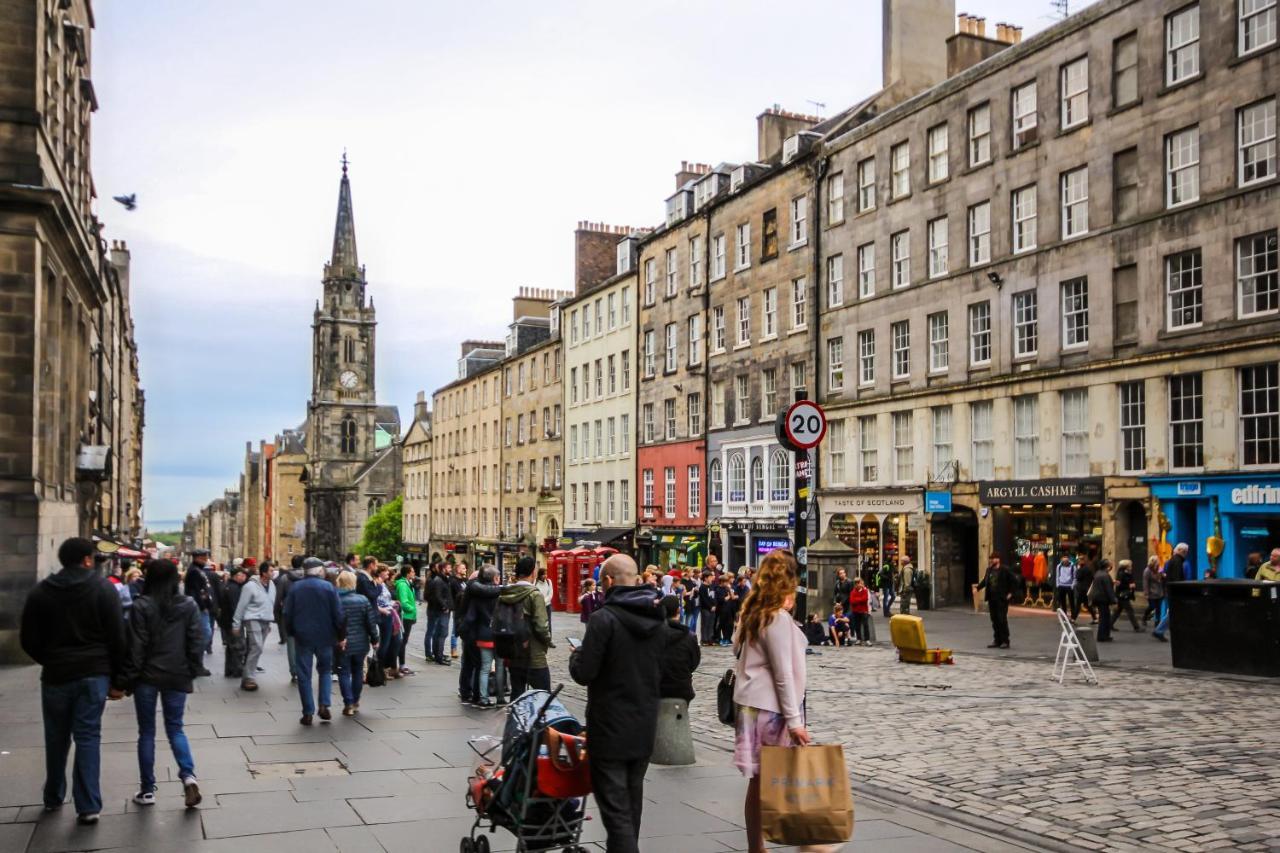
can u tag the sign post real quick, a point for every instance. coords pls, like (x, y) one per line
(801, 427)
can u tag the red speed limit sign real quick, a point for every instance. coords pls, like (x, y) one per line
(805, 424)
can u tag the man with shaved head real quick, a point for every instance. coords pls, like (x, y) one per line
(619, 661)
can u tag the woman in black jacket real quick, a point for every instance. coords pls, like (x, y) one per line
(477, 641)
(164, 655)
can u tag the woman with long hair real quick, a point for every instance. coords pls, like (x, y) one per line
(770, 678)
(165, 654)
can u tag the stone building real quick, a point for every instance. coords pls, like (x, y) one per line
(284, 497)
(415, 453)
(1059, 332)
(70, 437)
(353, 458)
(598, 327)
(253, 514)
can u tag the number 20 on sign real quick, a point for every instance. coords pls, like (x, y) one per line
(805, 424)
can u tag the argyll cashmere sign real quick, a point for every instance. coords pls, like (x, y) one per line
(1063, 491)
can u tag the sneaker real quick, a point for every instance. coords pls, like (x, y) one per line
(145, 798)
(348, 711)
(52, 808)
(404, 670)
(90, 819)
(249, 685)
(1004, 645)
(191, 792)
(453, 653)
(324, 713)
(1159, 637)
(306, 719)
(993, 645)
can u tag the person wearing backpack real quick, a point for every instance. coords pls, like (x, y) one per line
(477, 640)
(522, 631)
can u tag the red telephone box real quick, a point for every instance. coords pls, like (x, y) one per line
(559, 570)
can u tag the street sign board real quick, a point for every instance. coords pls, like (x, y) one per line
(805, 424)
(937, 502)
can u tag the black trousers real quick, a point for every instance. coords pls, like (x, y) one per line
(618, 786)
(1103, 615)
(1125, 605)
(707, 625)
(233, 660)
(1153, 606)
(469, 674)
(1064, 598)
(523, 678)
(999, 620)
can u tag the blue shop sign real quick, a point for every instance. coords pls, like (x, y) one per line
(937, 502)
(1188, 489)
(764, 546)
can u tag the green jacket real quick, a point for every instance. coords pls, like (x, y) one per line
(408, 604)
(535, 610)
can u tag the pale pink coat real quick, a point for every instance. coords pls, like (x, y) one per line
(770, 673)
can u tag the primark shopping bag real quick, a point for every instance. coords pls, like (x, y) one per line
(804, 795)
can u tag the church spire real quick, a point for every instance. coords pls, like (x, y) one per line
(344, 263)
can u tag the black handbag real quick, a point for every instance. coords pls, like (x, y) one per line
(725, 708)
(375, 675)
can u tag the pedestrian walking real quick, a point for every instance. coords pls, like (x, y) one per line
(769, 685)
(408, 600)
(361, 634)
(526, 610)
(547, 591)
(999, 584)
(885, 584)
(590, 600)
(165, 653)
(705, 600)
(680, 654)
(388, 634)
(1175, 570)
(1064, 587)
(439, 601)
(1126, 589)
(72, 626)
(1102, 597)
(860, 612)
(196, 584)
(313, 616)
(287, 580)
(252, 620)
(115, 576)
(906, 585)
(1084, 580)
(232, 640)
(1153, 590)
(619, 662)
(1270, 571)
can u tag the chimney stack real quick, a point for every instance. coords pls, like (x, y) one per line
(915, 35)
(971, 45)
(774, 125)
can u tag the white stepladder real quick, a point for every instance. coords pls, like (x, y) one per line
(1070, 652)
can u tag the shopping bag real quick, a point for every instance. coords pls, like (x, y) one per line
(375, 675)
(804, 795)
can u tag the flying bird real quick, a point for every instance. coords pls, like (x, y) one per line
(129, 201)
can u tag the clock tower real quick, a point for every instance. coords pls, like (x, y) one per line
(342, 415)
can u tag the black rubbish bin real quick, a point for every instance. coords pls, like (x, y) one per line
(1226, 626)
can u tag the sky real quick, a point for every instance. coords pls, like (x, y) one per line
(479, 134)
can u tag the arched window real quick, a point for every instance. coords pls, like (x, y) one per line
(349, 349)
(780, 471)
(716, 473)
(348, 434)
(757, 479)
(737, 479)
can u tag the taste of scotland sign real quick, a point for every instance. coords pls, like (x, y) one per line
(1076, 491)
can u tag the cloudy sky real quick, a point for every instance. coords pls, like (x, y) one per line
(479, 133)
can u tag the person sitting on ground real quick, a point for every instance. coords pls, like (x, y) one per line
(680, 656)
(838, 626)
(815, 631)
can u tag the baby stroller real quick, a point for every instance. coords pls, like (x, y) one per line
(537, 789)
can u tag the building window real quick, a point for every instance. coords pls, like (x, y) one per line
(769, 235)
(672, 271)
(717, 329)
(939, 168)
(718, 255)
(943, 454)
(669, 418)
(979, 135)
(780, 477)
(1124, 71)
(939, 342)
(900, 250)
(1182, 167)
(769, 313)
(599, 378)
(348, 437)
(980, 234)
(669, 502)
(624, 492)
(1184, 283)
(573, 327)
(1260, 414)
(1075, 433)
(599, 439)
(900, 170)
(647, 494)
(671, 349)
(612, 502)
(981, 428)
(768, 393)
(715, 473)
(799, 304)
(717, 404)
(835, 198)
(693, 412)
(757, 480)
(799, 221)
(867, 357)
(626, 370)
(694, 326)
(1125, 176)
(1256, 278)
(646, 412)
(835, 452)
(1026, 438)
(900, 333)
(1257, 24)
(867, 270)
(903, 447)
(613, 377)
(835, 365)
(1024, 115)
(626, 305)
(979, 334)
(1182, 45)
(1075, 312)
(1074, 87)
(742, 259)
(1133, 426)
(1024, 219)
(613, 324)
(573, 443)
(737, 478)
(1075, 202)
(1186, 421)
(938, 255)
(625, 431)
(573, 501)
(1256, 138)
(867, 185)
(695, 262)
(835, 281)
(1026, 336)
(797, 378)
(741, 400)
(867, 449)
(744, 320)
(694, 474)
(648, 353)
(650, 281)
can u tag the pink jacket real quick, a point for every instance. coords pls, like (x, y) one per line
(770, 672)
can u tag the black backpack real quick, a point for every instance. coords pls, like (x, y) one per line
(511, 631)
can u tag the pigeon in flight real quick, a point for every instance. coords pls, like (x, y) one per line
(129, 201)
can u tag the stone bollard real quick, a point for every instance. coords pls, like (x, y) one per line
(674, 741)
(1088, 642)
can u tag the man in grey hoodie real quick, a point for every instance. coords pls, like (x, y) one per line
(254, 614)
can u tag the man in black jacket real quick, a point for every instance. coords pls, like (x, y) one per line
(619, 661)
(439, 604)
(843, 587)
(680, 655)
(364, 581)
(706, 601)
(198, 584)
(474, 628)
(73, 627)
(233, 644)
(999, 583)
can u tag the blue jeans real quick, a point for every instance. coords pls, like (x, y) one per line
(74, 710)
(453, 634)
(172, 705)
(322, 657)
(437, 630)
(206, 619)
(351, 677)
(691, 619)
(291, 652)
(1164, 618)
(487, 660)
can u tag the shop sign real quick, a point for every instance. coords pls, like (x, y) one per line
(1080, 491)
(1256, 495)
(1254, 532)
(937, 502)
(764, 546)
(1188, 488)
(885, 503)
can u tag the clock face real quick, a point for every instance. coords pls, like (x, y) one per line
(349, 379)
